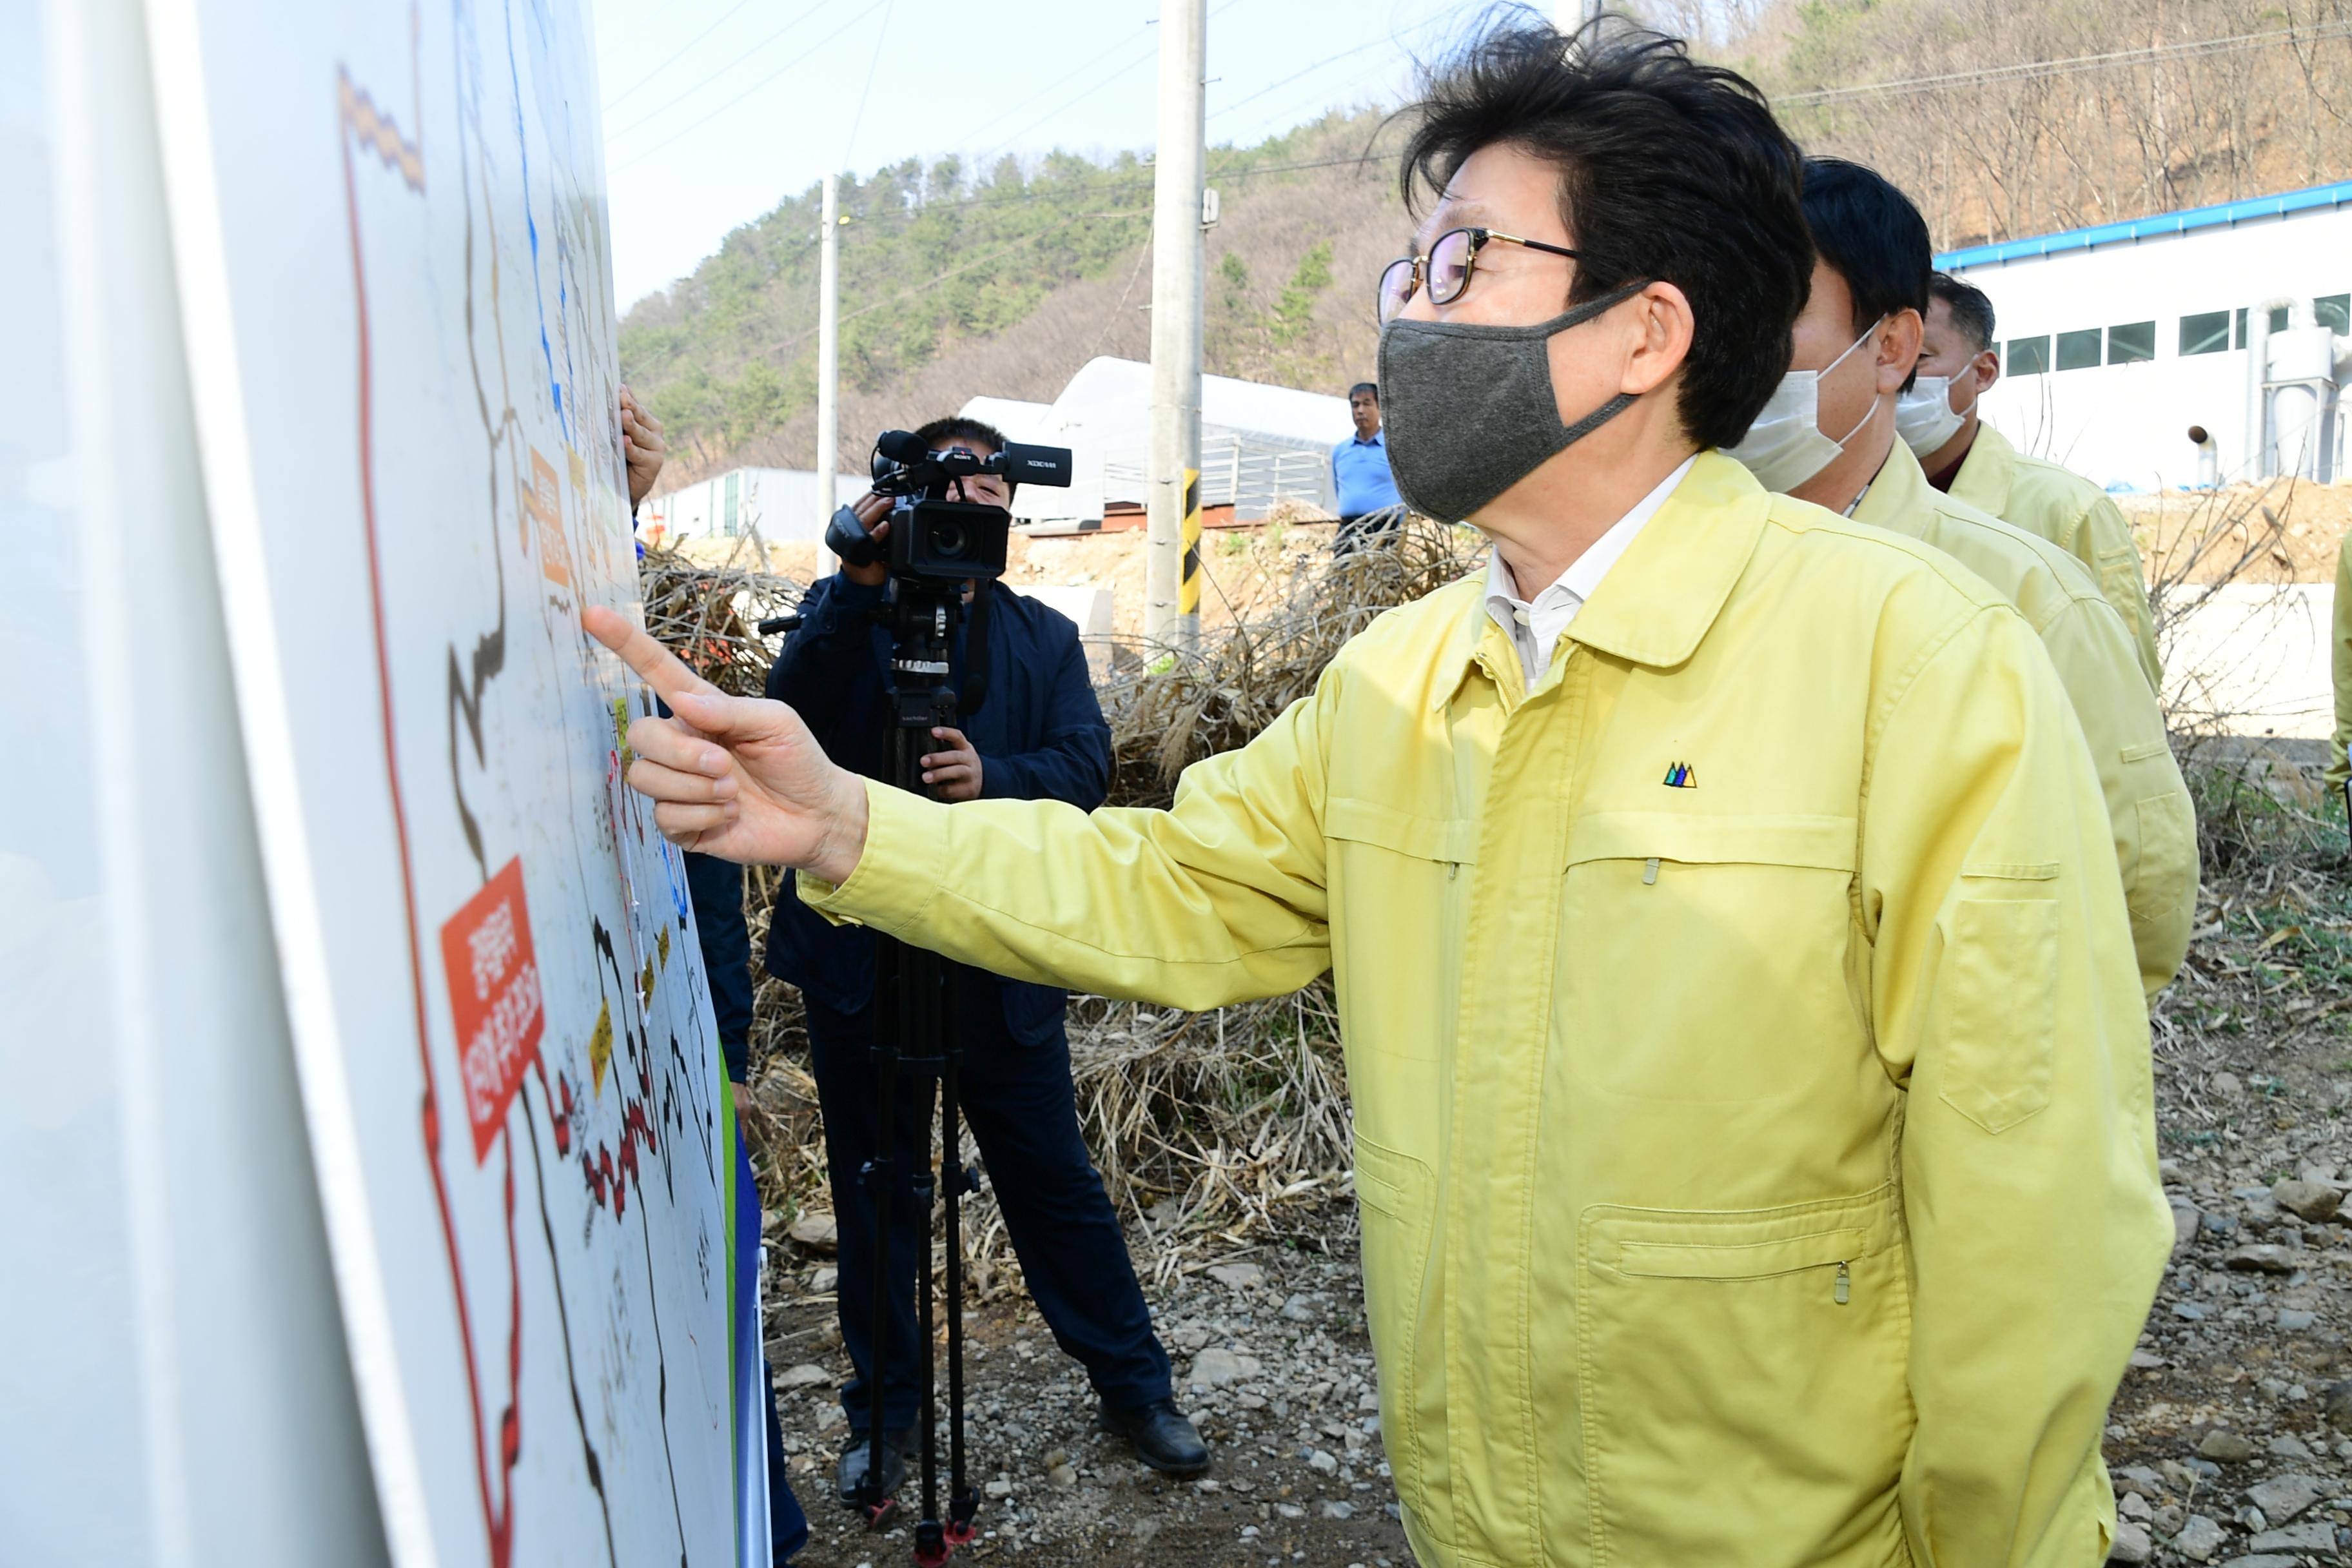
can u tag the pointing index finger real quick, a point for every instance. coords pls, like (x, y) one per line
(660, 668)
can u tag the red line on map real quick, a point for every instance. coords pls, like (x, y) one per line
(498, 1514)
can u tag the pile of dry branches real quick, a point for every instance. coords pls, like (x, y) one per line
(1211, 1129)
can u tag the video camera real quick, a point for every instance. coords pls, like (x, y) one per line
(934, 539)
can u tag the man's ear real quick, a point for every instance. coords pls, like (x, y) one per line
(1660, 330)
(1898, 348)
(1987, 365)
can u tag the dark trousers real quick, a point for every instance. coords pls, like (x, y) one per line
(1023, 1113)
(1362, 530)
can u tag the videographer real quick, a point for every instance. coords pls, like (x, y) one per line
(1038, 735)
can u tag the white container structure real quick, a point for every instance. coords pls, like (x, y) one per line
(2129, 351)
(781, 502)
(1259, 444)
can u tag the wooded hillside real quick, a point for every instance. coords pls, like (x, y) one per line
(2001, 117)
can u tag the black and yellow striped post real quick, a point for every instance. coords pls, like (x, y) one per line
(1188, 581)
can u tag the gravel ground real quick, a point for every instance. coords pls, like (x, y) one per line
(1272, 1362)
(2232, 1439)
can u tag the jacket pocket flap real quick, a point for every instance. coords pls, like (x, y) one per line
(1823, 842)
(1392, 1182)
(1444, 838)
(1741, 1260)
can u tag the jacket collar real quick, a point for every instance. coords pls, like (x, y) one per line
(1663, 593)
(1899, 497)
(1988, 472)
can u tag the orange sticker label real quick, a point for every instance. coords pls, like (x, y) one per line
(494, 997)
(542, 500)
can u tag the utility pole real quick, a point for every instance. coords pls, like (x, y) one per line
(1172, 580)
(1570, 15)
(828, 353)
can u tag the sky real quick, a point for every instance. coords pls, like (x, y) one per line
(716, 110)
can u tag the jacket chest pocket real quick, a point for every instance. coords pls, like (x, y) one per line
(1709, 958)
(1762, 1350)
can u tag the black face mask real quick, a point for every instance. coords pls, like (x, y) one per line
(1469, 410)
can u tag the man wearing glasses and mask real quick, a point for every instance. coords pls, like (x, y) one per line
(1753, 1138)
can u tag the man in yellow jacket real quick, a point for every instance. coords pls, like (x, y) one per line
(1753, 1120)
(1977, 464)
(1850, 370)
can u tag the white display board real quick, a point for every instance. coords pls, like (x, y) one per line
(389, 225)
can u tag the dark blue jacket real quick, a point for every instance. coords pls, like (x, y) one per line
(716, 887)
(1040, 735)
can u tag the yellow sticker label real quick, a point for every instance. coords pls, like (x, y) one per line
(646, 983)
(661, 944)
(600, 1044)
(621, 729)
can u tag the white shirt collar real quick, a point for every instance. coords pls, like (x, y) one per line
(1535, 625)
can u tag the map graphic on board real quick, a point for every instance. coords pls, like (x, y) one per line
(390, 225)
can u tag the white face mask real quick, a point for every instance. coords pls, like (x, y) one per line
(1786, 446)
(1924, 416)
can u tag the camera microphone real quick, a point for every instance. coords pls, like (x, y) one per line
(1027, 465)
(902, 447)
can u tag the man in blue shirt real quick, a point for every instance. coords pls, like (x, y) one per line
(1370, 506)
(1039, 735)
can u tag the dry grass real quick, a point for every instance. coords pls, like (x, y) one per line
(709, 615)
(1211, 1130)
(1168, 708)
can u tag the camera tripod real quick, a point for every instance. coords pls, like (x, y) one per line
(917, 1033)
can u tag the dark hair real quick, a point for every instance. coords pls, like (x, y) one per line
(1870, 235)
(955, 427)
(1669, 171)
(1970, 305)
(957, 430)
(1364, 386)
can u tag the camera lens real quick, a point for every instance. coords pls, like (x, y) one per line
(949, 539)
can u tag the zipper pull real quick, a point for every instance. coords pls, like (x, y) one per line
(1650, 872)
(1844, 1291)
(1453, 869)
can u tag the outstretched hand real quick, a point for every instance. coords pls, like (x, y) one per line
(737, 777)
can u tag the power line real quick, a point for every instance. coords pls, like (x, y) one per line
(1100, 84)
(1007, 113)
(632, 90)
(798, 59)
(1396, 40)
(704, 80)
(881, 36)
(2031, 70)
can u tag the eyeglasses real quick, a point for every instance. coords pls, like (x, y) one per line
(1448, 268)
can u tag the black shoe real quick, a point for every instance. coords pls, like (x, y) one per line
(849, 1476)
(1163, 1438)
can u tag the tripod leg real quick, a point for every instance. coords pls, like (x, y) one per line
(931, 1355)
(961, 1504)
(931, 1540)
(882, 1173)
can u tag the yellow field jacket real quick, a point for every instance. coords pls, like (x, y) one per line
(2070, 512)
(1754, 1140)
(2148, 808)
